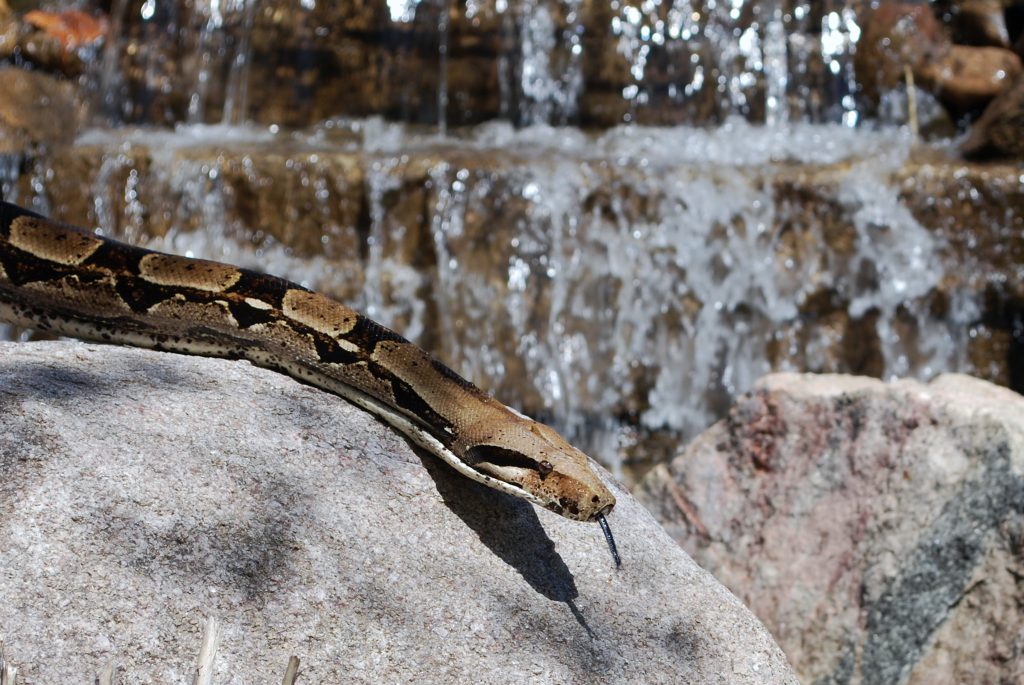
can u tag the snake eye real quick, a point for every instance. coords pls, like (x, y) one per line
(544, 468)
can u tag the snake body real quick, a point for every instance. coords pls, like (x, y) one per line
(61, 278)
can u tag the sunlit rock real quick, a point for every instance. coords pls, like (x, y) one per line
(142, 492)
(875, 528)
(64, 42)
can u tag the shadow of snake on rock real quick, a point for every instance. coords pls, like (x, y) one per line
(509, 527)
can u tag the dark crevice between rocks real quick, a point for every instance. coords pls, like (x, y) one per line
(1016, 360)
(1005, 312)
(939, 570)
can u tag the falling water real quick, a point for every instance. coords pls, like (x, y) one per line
(839, 35)
(236, 103)
(442, 78)
(10, 172)
(558, 61)
(776, 70)
(618, 282)
(639, 272)
(551, 77)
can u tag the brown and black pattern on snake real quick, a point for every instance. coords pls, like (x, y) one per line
(74, 282)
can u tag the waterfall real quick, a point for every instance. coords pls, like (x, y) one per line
(552, 62)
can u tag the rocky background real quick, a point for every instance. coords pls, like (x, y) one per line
(937, 67)
(938, 64)
(873, 528)
(966, 297)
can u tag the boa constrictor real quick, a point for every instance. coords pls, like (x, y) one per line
(67, 280)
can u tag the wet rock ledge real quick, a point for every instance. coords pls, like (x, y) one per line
(520, 262)
(141, 492)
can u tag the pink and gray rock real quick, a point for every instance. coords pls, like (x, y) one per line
(877, 529)
(141, 492)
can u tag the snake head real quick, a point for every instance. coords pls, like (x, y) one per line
(550, 472)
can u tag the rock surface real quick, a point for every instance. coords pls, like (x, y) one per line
(877, 529)
(968, 77)
(907, 37)
(900, 36)
(8, 31)
(980, 22)
(1000, 130)
(896, 36)
(36, 110)
(140, 492)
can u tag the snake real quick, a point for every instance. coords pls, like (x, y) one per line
(67, 280)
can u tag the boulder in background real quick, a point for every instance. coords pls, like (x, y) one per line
(877, 529)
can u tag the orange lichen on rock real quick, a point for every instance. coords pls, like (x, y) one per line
(73, 28)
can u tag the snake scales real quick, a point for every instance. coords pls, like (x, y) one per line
(67, 280)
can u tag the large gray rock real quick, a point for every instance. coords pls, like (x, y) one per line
(877, 529)
(141, 492)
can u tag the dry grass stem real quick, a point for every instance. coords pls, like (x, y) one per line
(292, 672)
(211, 638)
(108, 676)
(911, 99)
